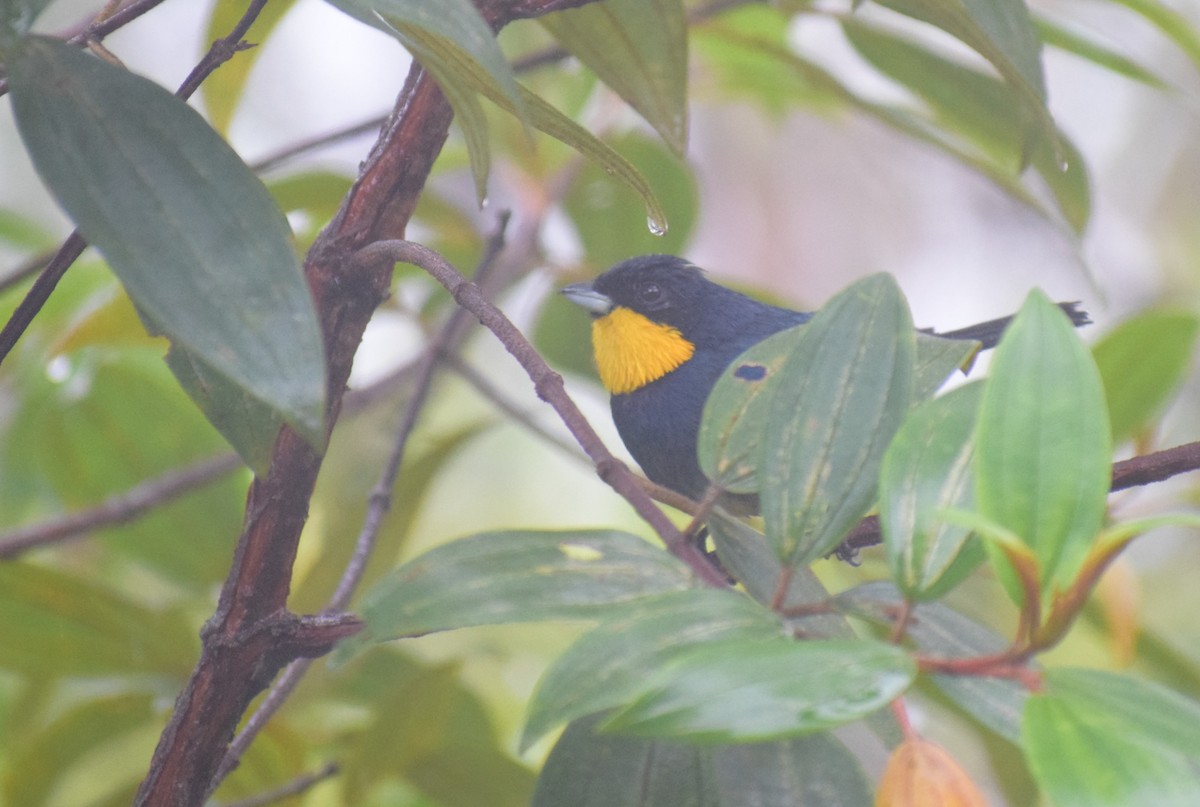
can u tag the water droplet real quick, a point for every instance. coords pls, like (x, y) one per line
(484, 202)
(657, 226)
(1064, 164)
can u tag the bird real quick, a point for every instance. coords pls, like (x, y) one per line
(663, 333)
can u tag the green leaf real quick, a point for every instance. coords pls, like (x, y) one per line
(1043, 448)
(587, 769)
(17, 18)
(194, 237)
(937, 360)
(838, 400)
(1070, 41)
(760, 63)
(456, 45)
(940, 631)
(500, 577)
(22, 232)
(730, 443)
(926, 469)
(1160, 715)
(742, 690)
(977, 106)
(38, 762)
(55, 624)
(617, 661)
(85, 436)
(223, 89)
(1142, 362)
(639, 49)
(1175, 25)
(606, 215)
(1144, 752)
(456, 21)
(1002, 32)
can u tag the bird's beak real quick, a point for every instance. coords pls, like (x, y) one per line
(586, 297)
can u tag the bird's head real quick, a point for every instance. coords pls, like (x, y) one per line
(646, 313)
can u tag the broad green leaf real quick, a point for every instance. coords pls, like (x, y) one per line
(55, 624)
(617, 661)
(804, 772)
(589, 769)
(1043, 447)
(501, 577)
(731, 430)
(1072, 41)
(839, 398)
(983, 109)
(1161, 715)
(1002, 32)
(109, 420)
(730, 443)
(639, 49)
(1084, 757)
(926, 469)
(742, 690)
(222, 91)
(39, 761)
(1142, 362)
(194, 237)
(940, 631)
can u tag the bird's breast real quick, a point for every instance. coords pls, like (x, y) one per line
(633, 351)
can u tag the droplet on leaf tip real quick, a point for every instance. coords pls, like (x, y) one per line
(657, 226)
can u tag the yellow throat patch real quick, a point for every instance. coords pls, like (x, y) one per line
(632, 351)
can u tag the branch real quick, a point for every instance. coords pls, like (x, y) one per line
(1134, 472)
(121, 508)
(549, 387)
(378, 506)
(292, 788)
(237, 659)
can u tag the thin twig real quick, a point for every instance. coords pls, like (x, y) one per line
(119, 509)
(549, 387)
(379, 503)
(292, 788)
(1133, 472)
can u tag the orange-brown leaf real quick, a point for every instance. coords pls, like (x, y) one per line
(922, 774)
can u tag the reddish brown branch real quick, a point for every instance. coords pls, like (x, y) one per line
(238, 657)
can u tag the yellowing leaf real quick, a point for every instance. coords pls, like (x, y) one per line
(922, 774)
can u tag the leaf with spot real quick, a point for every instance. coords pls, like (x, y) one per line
(838, 400)
(501, 577)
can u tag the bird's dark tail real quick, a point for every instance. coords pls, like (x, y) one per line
(989, 333)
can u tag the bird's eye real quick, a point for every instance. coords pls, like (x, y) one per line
(650, 294)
